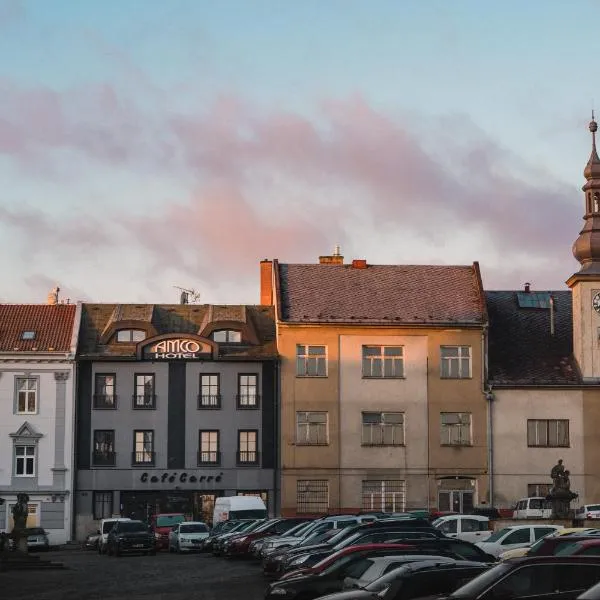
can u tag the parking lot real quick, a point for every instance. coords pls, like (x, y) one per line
(169, 576)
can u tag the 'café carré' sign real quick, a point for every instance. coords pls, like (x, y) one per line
(178, 348)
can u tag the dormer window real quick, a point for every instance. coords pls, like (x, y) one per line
(227, 336)
(131, 335)
(28, 335)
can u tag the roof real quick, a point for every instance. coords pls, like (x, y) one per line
(99, 323)
(381, 294)
(522, 349)
(52, 325)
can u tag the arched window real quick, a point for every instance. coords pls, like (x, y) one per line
(131, 335)
(227, 336)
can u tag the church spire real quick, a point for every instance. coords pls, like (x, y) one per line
(592, 169)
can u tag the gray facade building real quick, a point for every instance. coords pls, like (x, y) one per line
(176, 405)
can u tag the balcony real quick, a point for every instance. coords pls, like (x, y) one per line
(209, 458)
(248, 401)
(209, 401)
(247, 457)
(104, 459)
(144, 402)
(143, 458)
(104, 402)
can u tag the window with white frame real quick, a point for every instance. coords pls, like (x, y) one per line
(25, 461)
(247, 396)
(227, 336)
(384, 495)
(455, 429)
(312, 496)
(382, 429)
(383, 361)
(27, 395)
(311, 428)
(103, 505)
(311, 361)
(143, 447)
(548, 433)
(455, 362)
(210, 392)
(209, 447)
(248, 446)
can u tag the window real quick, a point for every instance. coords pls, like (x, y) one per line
(209, 448)
(27, 395)
(311, 428)
(383, 361)
(548, 433)
(144, 396)
(103, 505)
(104, 391)
(311, 361)
(455, 429)
(247, 391)
(247, 447)
(384, 496)
(456, 362)
(449, 527)
(520, 536)
(25, 461)
(143, 447)
(227, 336)
(104, 448)
(382, 429)
(210, 395)
(312, 496)
(471, 525)
(538, 489)
(131, 335)
(28, 335)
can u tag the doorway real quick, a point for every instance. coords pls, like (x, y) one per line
(458, 501)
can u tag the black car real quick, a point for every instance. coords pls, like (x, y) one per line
(129, 537)
(416, 580)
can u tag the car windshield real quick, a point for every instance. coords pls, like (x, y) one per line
(383, 582)
(169, 520)
(299, 530)
(193, 528)
(476, 586)
(130, 526)
(437, 522)
(498, 535)
(108, 526)
(592, 507)
(567, 550)
(35, 531)
(535, 547)
(343, 533)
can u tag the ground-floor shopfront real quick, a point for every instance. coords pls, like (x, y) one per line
(140, 494)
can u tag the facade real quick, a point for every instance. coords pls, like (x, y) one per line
(176, 406)
(382, 404)
(37, 352)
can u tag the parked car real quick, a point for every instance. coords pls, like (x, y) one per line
(239, 507)
(92, 540)
(516, 536)
(535, 507)
(592, 593)
(223, 528)
(471, 528)
(239, 545)
(256, 545)
(427, 578)
(37, 539)
(105, 526)
(130, 536)
(587, 511)
(162, 524)
(548, 544)
(187, 536)
(244, 527)
(580, 547)
(540, 577)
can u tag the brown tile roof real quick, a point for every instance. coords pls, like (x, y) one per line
(99, 319)
(52, 324)
(522, 350)
(381, 294)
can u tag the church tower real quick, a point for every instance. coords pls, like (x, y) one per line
(585, 284)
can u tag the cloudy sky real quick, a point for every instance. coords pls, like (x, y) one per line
(147, 144)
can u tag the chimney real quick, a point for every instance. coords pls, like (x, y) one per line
(53, 296)
(527, 287)
(333, 259)
(359, 263)
(266, 282)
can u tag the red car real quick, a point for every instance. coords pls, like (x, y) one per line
(162, 524)
(581, 547)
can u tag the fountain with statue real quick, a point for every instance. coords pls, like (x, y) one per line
(560, 496)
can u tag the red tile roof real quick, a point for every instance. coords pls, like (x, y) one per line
(52, 324)
(382, 294)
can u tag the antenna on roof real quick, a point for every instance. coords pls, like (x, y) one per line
(188, 296)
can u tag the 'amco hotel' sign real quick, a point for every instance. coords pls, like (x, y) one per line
(178, 349)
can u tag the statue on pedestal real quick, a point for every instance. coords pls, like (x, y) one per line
(19, 515)
(560, 495)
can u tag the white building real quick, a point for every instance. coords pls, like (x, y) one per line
(37, 352)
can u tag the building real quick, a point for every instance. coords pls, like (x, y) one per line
(544, 372)
(37, 352)
(382, 370)
(175, 406)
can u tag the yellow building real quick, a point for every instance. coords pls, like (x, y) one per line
(381, 400)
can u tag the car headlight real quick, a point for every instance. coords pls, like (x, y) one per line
(299, 560)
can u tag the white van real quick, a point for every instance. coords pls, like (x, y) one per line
(105, 526)
(471, 528)
(229, 508)
(535, 507)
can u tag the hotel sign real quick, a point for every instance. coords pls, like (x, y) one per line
(178, 349)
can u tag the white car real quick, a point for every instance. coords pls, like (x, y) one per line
(471, 528)
(187, 535)
(517, 536)
(588, 511)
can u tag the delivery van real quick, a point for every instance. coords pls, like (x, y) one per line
(229, 508)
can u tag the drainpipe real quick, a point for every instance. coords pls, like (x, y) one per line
(276, 429)
(489, 396)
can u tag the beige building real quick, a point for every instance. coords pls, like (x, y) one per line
(382, 403)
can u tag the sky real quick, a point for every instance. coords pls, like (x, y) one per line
(146, 145)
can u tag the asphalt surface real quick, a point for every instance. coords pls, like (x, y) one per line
(164, 576)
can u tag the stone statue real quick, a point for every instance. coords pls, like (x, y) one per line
(19, 514)
(557, 471)
(560, 495)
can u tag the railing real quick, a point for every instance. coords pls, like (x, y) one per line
(145, 401)
(209, 401)
(210, 457)
(248, 400)
(104, 459)
(105, 401)
(247, 457)
(144, 457)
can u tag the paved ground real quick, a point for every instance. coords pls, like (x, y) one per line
(164, 576)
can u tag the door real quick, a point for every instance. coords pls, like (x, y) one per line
(473, 530)
(458, 501)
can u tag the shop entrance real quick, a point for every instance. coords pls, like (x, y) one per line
(456, 494)
(142, 505)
